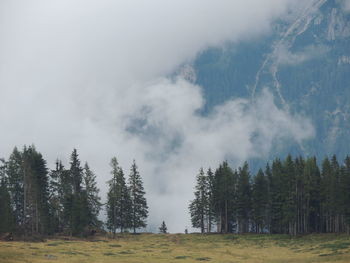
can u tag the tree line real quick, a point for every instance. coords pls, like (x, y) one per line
(291, 196)
(66, 201)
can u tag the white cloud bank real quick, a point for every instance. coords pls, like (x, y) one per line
(91, 74)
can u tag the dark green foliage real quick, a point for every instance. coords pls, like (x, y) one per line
(224, 196)
(92, 197)
(76, 172)
(243, 199)
(76, 202)
(118, 201)
(292, 197)
(211, 206)
(260, 202)
(28, 186)
(199, 207)
(139, 208)
(14, 174)
(6, 212)
(60, 195)
(163, 228)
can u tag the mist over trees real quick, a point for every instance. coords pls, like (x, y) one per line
(293, 196)
(65, 201)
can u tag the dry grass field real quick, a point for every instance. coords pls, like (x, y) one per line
(183, 248)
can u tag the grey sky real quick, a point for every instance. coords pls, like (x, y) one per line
(83, 73)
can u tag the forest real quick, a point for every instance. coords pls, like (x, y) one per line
(36, 201)
(290, 196)
(293, 196)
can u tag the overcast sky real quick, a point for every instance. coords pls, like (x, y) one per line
(92, 74)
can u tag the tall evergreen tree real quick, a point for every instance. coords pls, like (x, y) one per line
(346, 193)
(199, 206)
(77, 202)
(139, 208)
(244, 199)
(224, 196)
(299, 165)
(312, 191)
(327, 192)
(211, 203)
(14, 171)
(289, 206)
(260, 202)
(36, 191)
(6, 213)
(118, 200)
(277, 197)
(58, 195)
(92, 196)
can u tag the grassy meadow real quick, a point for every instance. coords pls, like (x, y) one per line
(182, 248)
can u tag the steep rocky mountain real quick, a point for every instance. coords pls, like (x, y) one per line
(305, 63)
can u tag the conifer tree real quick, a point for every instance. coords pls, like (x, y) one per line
(260, 201)
(6, 213)
(14, 172)
(211, 207)
(299, 165)
(118, 200)
(289, 195)
(139, 208)
(312, 191)
(199, 206)
(58, 194)
(163, 228)
(346, 193)
(277, 197)
(224, 196)
(243, 199)
(92, 196)
(77, 203)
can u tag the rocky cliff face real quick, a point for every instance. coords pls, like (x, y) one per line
(305, 63)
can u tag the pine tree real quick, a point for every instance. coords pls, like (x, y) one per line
(199, 206)
(77, 202)
(93, 199)
(36, 191)
(139, 208)
(336, 194)
(312, 190)
(299, 165)
(327, 184)
(6, 213)
(118, 201)
(260, 201)
(224, 196)
(58, 195)
(277, 197)
(346, 193)
(289, 195)
(211, 207)
(163, 228)
(243, 199)
(14, 174)
(76, 172)
(269, 215)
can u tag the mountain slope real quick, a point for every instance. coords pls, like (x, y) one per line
(305, 63)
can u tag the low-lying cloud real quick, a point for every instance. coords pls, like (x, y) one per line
(283, 56)
(92, 75)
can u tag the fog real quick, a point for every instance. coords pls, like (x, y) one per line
(94, 75)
